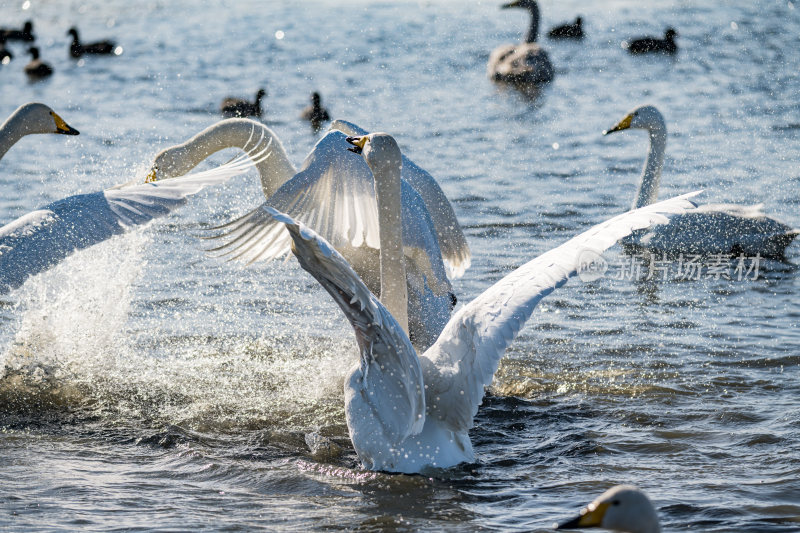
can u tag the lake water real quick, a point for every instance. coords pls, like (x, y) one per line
(148, 386)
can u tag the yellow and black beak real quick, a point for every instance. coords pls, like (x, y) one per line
(62, 127)
(358, 143)
(623, 124)
(151, 176)
(591, 516)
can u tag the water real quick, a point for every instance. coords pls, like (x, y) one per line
(147, 386)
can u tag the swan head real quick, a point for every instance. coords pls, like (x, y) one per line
(621, 508)
(170, 163)
(644, 117)
(39, 118)
(377, 149)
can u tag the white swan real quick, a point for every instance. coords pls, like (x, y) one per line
(523, 63)
(334, 194)
(622, 508)
(709, 229)
(28, 119)
(408, 413)
(41, 239)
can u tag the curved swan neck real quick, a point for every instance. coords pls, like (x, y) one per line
(533, 29)
(394, 293)
(247, 135)
(651, 174)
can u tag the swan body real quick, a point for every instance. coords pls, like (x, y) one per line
(237, 107)
(708, 229)
(29, 119)
(523, 63)
(334, 193)
(622, 508)
(409, 413)
(568, 31)
(36, 69)
(77, 49)
(39, 240)
(653, 45)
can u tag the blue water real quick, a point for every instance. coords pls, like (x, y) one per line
(147, 386)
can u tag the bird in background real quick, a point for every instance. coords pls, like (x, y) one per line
(25, 34)
(653, 45)
(315, 113)
(568, 31)
(232, 107)
(36, 69)
(78, 49)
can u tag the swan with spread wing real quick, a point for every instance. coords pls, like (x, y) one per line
(334, 193)
(407, 412)
(41, 239)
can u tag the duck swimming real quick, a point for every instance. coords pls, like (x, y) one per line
(238, 107)
(653, 45)
(77, 49)
(568, 31)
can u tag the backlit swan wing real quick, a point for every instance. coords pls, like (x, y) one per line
(391, 378)
(334, 194)
(452, 241)
(465, 357)
(41, 239)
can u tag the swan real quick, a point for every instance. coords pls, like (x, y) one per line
(621, 508)
(39, 240)
(335, 195)
(77, 49)
(315, 113)
(36, 69)
(408, 413)
(28, 119)
(237, 107)
(568, 31)
(648, 45)
(523, 63)
(709, 229)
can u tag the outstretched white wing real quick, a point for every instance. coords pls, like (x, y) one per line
(334, 194)
(452, 242)
(465, 357)
(392, 378)
(40, 240)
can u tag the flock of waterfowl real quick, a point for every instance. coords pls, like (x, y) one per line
(380, 236)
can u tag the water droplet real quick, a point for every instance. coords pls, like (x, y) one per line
(26, 5)
(279, 34)
(734, 26)
(555, 146)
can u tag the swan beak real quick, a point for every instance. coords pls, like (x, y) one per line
(358, 143)
(151, 177)
(591, 516)
(510, 4)
(623, 124)
(62, 127)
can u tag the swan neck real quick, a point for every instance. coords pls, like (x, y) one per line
(651, 173)
(394, 293)
(249, 136)
(11, 131)
(533, 29)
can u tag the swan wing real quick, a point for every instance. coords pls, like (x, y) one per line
(465, 357)
(452, 242)
(392, 378)
(39, 240)
(334, 194)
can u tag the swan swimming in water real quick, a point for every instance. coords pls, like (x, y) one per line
(709, 229)
(334, 193)
(622, 508)
(41, 239)
(523, 63)
(409, 413)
